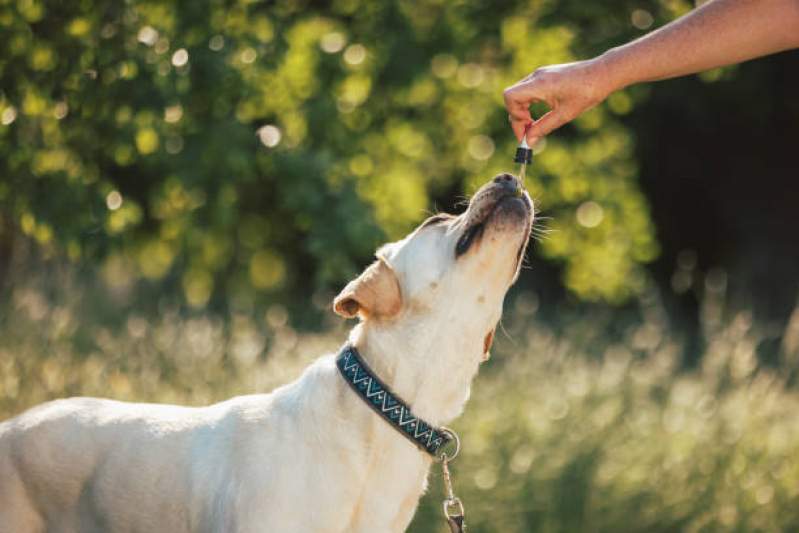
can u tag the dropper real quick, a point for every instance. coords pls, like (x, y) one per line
(524, 155)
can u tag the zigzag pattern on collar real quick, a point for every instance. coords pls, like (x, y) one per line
(387, 404)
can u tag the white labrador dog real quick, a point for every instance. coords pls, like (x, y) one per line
(311, 456)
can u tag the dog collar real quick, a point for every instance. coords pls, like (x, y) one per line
(388, 405)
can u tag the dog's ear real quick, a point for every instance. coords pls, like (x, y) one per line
(487, 342)
(376, 293)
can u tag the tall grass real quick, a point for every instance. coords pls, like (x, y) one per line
(626, 441)
(585, 425)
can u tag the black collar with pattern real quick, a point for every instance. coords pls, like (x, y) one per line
(388, 405)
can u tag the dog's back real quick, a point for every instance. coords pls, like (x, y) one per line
(94, 465)
(64, 464)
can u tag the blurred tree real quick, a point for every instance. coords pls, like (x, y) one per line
(227, 150)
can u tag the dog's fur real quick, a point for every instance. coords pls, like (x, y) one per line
(310, 456)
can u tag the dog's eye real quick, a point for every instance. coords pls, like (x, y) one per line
(437, 219)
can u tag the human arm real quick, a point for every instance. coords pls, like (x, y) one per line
(718, 33)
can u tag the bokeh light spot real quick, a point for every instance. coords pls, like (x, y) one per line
(146, 141)
(620, 103)
(9, 115)
(642, 19)
(216, 43)
(332, 42)
(180, 57)
(174, 144)
(444, 65)
(162, 45)
(361, 165)
(764, 494)
(155, 259)
(270, 136)
(248, 55)
(527, 303)
(485, 478)
(681, 281)
(589, 214)
(148, 35)
(60, 110)
(481, 147)
(276, 316)
(471, 75)
(355, 54)
(113, 200)
(173, 113)
(79, 27)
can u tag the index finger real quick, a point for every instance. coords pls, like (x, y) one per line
(517, 102)
(520, 126)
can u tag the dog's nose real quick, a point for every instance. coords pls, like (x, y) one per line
(508, 181)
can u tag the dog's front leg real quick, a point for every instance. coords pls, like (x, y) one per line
(383, 516)
(17, 513)
(390, 497)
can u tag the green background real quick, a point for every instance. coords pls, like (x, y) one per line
(184, 186)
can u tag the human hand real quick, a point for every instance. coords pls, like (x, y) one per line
(568, 89)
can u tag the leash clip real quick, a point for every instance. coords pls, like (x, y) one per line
(455, 520)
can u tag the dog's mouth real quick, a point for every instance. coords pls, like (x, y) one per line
(482, 212)
(469, 236)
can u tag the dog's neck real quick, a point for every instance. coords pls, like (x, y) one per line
(433, 374)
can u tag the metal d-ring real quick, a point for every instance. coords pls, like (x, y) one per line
(451, 433)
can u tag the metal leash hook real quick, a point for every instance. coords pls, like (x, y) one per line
(455, 521)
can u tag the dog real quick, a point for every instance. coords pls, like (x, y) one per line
(311, 456)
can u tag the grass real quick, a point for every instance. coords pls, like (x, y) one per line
(586, 425)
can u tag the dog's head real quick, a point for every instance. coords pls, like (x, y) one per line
(451, 274)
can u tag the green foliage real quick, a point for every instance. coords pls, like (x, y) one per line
(217, 166)
(231, 150)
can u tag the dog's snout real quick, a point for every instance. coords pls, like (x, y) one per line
(508, 181)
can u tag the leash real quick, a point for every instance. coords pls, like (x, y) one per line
(454, 520)
(397, 413)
